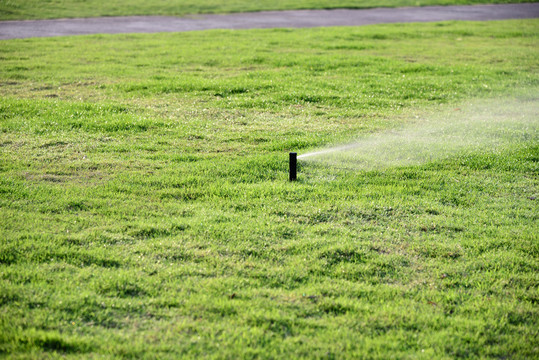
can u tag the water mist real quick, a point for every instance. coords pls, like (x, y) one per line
(478, 126)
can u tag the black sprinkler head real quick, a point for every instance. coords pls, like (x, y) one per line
(293, 165)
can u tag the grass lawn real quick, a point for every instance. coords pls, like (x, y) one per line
(39, 9)
(146, 211)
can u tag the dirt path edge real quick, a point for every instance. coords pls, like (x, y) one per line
(264, 19)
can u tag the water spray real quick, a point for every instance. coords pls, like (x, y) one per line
(293, 161)
(484, 125)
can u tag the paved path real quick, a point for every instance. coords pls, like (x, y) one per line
(264, 19)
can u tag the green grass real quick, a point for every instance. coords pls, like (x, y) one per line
(39, 9)
(146, 211)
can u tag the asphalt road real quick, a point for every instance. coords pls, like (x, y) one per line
(264, 19)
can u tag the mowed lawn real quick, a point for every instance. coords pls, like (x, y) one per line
(50, 9)
(146, 213)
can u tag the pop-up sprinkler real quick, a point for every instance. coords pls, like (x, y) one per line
(293, 165)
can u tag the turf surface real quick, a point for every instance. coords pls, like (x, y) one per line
(146, 211)
(39, 9)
